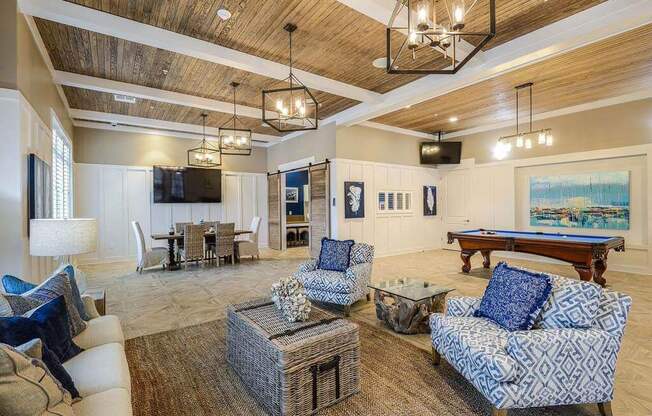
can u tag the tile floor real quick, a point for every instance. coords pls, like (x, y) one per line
(159, 301)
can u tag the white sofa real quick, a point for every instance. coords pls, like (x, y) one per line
(100, 372)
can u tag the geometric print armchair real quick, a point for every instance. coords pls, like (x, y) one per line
(340, 288)
(548, 365)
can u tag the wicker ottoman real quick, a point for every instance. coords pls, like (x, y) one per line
(293, 368)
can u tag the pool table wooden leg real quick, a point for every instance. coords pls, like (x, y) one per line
(585, 272)
(599, 267)
(486, 258)
(465, 255)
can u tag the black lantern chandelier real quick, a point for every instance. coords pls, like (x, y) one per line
(523, 139)
(434, 25)
(235, 138)
(291, 108)
(206, 155)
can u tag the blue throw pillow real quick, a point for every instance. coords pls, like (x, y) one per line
(16, 286)
(48, 322)
(514, 297)
(335, 255)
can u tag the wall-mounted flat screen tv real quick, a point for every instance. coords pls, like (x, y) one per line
(441, 153)
(183, 185)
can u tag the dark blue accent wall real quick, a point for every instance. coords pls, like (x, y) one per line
(296, 180)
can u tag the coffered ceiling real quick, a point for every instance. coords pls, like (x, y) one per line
(334, 47)
(609, 68)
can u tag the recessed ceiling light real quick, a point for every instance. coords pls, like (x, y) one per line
(224, 14)
(408, 106)
(380, 63)
(453, 119)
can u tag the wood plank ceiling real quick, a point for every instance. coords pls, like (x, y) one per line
(612, 67)
(332, 40)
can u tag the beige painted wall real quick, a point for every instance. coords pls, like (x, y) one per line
(319, 143)
(374, 145)
(35, 81)
(136, 149)
(615, 126)
(8, 45)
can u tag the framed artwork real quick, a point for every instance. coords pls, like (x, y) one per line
(354, 197)
(291, 194)
(587, 200)
(429, 200)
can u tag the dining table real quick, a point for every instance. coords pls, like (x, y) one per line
(172, 238)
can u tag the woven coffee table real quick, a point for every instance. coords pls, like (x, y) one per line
(406, 304)
(293, 368)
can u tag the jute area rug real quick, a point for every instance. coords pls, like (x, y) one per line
(184, 373)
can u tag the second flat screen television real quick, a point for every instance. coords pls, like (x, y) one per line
(182, 184)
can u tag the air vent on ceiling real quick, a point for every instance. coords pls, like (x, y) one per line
(124, 98)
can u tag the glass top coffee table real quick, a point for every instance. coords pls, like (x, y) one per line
(405, 304)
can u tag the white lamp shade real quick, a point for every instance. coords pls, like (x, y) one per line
(62, 237)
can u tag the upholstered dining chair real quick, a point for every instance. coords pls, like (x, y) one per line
(193, 244)
(224, 242)
(157, 256)
(249, 247)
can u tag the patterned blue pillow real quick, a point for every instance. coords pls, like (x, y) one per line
(335, 255)
(572, 304)
(514, 297)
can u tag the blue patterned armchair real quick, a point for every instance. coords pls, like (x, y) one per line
(340, 288)
(548, 365)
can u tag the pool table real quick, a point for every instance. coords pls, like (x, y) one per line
(588, 254)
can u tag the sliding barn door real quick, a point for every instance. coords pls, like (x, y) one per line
(274, 211)
(319, 206)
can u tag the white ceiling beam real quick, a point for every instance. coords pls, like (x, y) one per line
(592, 25)
(144, 130)
(70, 79)
(382, 10)
(96, 21)
(154, 124)
(398, 130)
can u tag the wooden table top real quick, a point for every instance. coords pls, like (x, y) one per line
(179, 236)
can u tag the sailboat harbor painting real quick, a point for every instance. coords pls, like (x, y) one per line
(589, 200)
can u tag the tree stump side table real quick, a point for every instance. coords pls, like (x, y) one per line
(405, 304)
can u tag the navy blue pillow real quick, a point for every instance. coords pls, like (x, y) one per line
(48, 322)
(335, 255)
(514, 297)
(16, 286)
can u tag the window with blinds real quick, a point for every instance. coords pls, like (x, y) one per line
(61, 176)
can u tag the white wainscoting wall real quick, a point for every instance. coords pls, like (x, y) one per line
(117, 195)
(390, 233)
(496, 196)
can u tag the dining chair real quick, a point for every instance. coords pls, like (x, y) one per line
(249, 247)
(179, 227)
(224, 242)
(193, 244)
(209, 241)
(145, 258)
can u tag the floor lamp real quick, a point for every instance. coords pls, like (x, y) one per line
(62, 238)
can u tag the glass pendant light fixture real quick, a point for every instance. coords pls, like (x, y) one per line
(292, 107)
(206, 155)
(412, 45)
(235, 138)
(523, 139)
